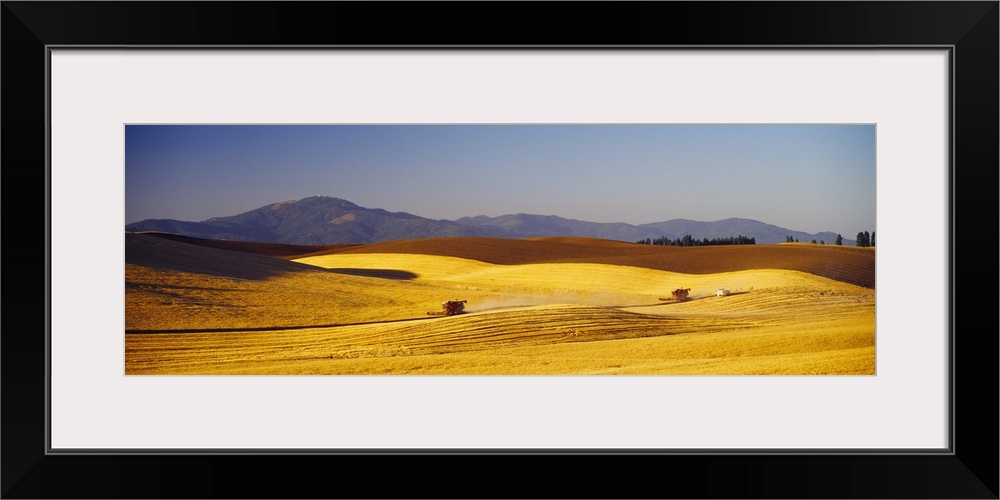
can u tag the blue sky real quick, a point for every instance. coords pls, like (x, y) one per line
(803, 177)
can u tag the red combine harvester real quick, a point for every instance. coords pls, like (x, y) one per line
(450, 308)
(679, 294)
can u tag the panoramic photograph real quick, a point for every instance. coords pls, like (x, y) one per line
(510, 249)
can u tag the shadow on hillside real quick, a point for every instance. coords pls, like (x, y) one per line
(389, 274)
(173, 256)
(237, 269)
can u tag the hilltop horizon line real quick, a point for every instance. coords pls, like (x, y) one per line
(473, 216)
(323, 219)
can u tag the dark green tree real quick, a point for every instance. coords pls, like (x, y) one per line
(839, 241)
(864, 239)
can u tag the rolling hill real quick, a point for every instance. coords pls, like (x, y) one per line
(841, 263)
(561, 306)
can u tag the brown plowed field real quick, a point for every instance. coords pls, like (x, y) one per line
(543, 306)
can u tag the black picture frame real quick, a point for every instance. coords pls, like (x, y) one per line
(969, 28)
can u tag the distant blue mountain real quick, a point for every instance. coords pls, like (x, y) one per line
(527, 225)
(315, 221)
(327, 220)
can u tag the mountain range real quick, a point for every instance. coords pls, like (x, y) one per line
(321, 220)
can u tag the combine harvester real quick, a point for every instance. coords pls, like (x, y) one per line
(450, 308)
(678, 294)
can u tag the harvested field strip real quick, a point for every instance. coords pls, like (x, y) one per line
(546, 343)
(779, 301)
(475, 332)
(548, 323)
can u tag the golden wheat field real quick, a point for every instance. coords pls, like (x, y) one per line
(546, 306)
